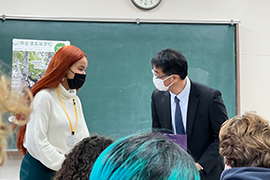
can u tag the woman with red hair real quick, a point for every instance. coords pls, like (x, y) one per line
(57, 122)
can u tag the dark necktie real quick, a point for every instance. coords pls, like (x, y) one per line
(179, 127)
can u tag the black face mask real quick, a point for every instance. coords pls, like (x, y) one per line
(77, 82)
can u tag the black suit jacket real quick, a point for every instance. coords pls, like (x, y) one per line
(206, 112)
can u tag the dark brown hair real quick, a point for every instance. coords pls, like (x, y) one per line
(79, 162)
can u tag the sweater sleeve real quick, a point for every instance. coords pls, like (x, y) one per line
(36, 140)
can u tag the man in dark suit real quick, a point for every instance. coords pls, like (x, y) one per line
(182, 106)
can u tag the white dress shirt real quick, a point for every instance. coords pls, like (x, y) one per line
(183, 102)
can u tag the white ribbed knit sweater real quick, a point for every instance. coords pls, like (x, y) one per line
(48, 129)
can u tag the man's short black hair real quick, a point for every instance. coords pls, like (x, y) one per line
(171, 62)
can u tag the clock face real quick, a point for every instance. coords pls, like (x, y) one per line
(146, 4)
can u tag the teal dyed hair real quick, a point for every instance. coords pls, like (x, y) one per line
(147, 156)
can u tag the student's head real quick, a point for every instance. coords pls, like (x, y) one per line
(147, 156)
(245, 141)
(11, 102)
(79, 162)
(67, 59)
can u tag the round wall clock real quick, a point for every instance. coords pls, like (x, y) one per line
(146, 4)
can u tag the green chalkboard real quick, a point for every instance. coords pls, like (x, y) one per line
(117, 94)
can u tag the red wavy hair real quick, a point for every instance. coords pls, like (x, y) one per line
(59, 64)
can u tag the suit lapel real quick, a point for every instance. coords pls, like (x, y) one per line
(192, 107)
(166, 103)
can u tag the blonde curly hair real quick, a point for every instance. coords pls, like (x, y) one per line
(245, 141)
(12, 102)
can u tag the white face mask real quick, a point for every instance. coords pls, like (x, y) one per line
(159, 83)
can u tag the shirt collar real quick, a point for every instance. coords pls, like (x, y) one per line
(183, 94)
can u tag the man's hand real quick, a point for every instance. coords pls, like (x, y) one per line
(199, 167)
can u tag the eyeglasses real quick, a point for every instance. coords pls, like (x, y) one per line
(160, 76)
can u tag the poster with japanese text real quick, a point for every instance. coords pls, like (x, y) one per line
(30, 59)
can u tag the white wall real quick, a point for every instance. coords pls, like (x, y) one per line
(254, 30)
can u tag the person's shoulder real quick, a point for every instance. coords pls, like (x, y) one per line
(45, 93)
(44, 98)
(156, 92)
(202, 87)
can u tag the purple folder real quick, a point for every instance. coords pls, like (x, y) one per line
(180, 139)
